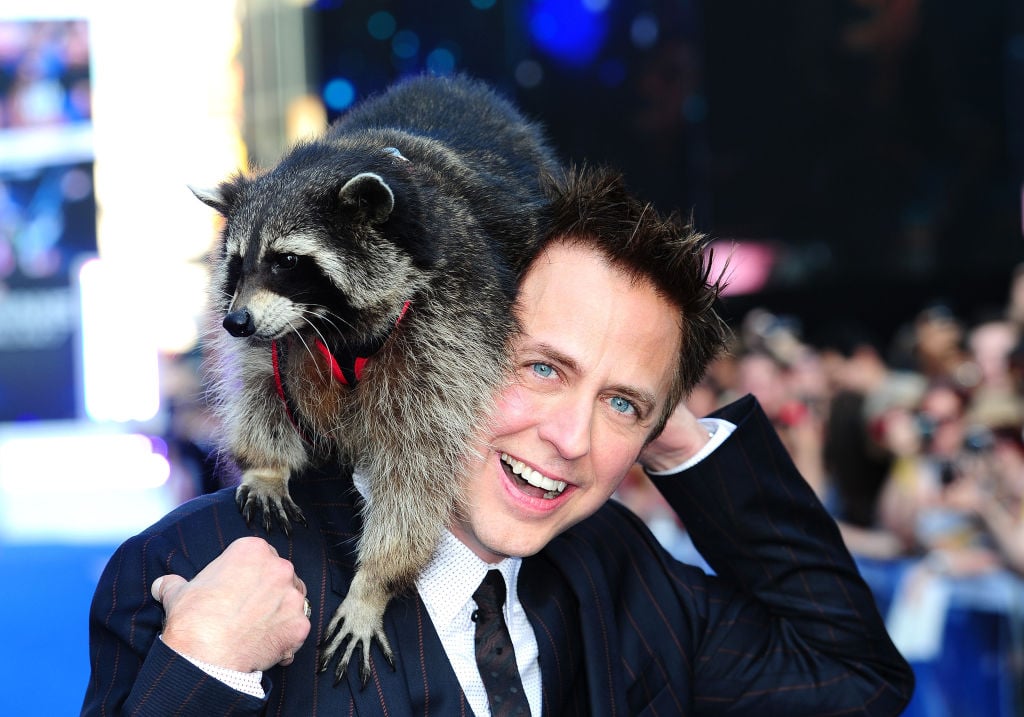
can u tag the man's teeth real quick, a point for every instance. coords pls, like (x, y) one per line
(538, 480)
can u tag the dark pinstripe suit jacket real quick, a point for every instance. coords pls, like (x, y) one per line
(788, 628)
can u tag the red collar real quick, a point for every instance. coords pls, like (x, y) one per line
(347, 369)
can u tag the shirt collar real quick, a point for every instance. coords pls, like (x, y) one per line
(454, 574)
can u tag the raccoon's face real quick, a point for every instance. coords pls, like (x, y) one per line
(296, 258)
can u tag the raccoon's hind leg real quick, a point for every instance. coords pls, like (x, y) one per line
(401, 528)
(359, 620)
(263, 492)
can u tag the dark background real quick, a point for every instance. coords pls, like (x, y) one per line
(877, 146)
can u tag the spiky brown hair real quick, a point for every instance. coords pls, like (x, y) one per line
(592, 206)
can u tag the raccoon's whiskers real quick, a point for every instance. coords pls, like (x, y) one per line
(316, 329)
(308, 349)
(303, 340)
(331, 316)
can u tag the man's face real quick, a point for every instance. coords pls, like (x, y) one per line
(593, 366)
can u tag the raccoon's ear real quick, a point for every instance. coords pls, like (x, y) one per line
(212, 197)
(369, 196)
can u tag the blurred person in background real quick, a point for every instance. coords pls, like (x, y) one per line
(1015, 301)
(990, 485)
(935, 346)
(990, 343)
(783, 372)
(192, 425)
(863, 388)
(936, 452)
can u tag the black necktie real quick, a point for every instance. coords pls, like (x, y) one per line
(495, 656)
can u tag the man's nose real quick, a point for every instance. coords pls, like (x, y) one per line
(567, 427)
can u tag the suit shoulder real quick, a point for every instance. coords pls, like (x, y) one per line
(205, 510)
(613, 530)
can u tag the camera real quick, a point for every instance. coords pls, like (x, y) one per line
(979, 439)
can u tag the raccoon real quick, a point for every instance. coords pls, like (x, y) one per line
(365, 284)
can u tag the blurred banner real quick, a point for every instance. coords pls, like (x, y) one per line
(47, 213)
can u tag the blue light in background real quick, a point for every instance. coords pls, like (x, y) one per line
(441, 61)
(482, 4)
(644, 30)
(571, 31)
(1015, 47)
(381, 25)
(529, 74)
(405, 44)
(339, 94)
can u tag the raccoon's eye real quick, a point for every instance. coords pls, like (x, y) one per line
(284, 262)
(234, 273)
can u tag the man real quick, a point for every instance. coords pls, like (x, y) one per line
(617, 323)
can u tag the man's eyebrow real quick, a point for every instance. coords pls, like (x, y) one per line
(646, 401)
(556, 355)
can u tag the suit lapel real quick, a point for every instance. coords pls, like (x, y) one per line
(553, 613)
(429, 680)
(592, 627)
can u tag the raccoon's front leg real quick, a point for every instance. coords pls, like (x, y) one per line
(269, 451)
(401, 528)
(264, 492)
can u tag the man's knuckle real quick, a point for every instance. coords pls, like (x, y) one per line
(250, 544)
(283, 570)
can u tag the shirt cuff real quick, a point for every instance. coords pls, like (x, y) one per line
(719, 429)
(251, 683)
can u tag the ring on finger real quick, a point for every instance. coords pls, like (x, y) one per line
(307, 609)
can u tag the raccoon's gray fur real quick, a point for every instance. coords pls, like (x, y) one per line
(429, 194)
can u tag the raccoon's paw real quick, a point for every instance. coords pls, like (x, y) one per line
(268, 501)
(358, 620)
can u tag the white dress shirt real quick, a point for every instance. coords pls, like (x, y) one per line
(446, 587)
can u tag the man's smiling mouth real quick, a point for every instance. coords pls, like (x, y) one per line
(524, 475)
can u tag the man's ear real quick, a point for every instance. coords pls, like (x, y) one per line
(368, 196)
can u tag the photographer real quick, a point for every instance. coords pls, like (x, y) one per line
(992, 489)
(940, 496)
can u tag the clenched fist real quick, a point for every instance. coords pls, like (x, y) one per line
(244, 611)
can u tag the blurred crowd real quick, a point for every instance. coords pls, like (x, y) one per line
(44, 73)
(915, 446)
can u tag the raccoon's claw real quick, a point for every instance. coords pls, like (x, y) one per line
(285, 512)
(355, 624)
(254, 503)
(363, 655)
(329, 647)
(364, 658)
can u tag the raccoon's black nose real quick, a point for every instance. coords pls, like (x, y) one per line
(239, 323)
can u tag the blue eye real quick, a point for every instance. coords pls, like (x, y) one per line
(621, 405)
(543, 370)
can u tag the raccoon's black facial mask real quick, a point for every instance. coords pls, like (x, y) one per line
(290, 276)
(285, 293)
(325, 266)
